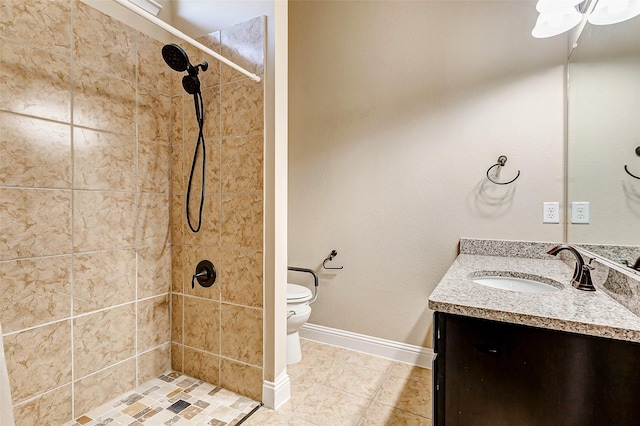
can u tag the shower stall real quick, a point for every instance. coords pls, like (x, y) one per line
(96, 253)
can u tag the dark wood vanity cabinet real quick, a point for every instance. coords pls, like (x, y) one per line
(493, 373)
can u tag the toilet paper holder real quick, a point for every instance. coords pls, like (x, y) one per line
(330, 259)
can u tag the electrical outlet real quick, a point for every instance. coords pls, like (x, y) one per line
(551, 212)
(580, 212)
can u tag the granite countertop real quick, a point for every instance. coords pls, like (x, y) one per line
(593, 313)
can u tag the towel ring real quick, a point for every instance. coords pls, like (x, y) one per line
(626, 169)
(502, 160)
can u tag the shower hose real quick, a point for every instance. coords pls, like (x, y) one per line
(199, 107)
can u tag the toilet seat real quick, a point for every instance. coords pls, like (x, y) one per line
(297, 293)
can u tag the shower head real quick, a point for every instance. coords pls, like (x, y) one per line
(175, 57)
(191, 84)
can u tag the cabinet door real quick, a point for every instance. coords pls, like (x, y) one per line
(505, 374)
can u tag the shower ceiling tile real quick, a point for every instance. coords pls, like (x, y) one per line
(34, 152)
(34, 222)
(45, 93)
(117, 53)
(46, 24)
(103, 161)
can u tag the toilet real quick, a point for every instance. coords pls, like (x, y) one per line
(298, 312)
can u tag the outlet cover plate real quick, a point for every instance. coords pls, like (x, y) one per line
(580, 212)
(551, 212)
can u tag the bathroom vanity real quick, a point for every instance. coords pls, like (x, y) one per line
(565, 357)
(488, 372)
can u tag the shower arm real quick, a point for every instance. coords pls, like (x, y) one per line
(160, 23)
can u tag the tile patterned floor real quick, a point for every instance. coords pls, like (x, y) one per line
(171, 399)
(336, 386)
(330, 386)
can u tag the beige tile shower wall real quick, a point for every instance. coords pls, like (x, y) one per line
(217, 331)
(85, 255)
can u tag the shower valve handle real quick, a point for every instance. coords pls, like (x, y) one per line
(205, 274)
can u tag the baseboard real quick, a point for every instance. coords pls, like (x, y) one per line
(274, 394)
(403, 352)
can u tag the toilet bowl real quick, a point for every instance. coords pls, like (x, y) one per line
(298, 312)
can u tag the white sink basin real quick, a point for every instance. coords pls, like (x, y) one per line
(515, 284)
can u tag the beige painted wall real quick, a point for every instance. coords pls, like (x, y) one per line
(396, 111)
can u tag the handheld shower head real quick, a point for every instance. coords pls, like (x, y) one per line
(191, 84)
(175, 57)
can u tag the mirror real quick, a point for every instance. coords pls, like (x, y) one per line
(603, 138)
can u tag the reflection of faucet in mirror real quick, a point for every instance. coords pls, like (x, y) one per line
(582, 274)
(635, 266)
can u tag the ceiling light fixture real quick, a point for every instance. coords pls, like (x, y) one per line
(613, 11)
(556, 17)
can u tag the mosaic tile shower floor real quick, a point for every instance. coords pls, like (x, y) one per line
(171, 399)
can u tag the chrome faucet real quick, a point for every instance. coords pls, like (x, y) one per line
(582, 273)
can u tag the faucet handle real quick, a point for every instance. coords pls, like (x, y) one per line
(588, 266)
